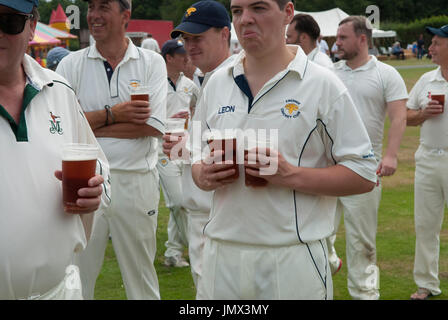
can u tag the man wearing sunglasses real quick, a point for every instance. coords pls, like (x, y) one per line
(101, 76)
(38, 114)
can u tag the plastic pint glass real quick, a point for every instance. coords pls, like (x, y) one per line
(175, 127)
(139, 93)
(226, 142)
(251, 143)
(78, 166)
(439, 97)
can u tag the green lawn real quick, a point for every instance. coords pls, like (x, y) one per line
(395, 238)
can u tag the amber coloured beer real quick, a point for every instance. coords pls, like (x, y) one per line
(141, 97)
(78, 166)
(139, 93)
(439, 98)
(253, 181)
(251, 143)
(229, 146)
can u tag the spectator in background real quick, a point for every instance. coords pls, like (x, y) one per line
(151, 44)
(55, 56)
(420, 47)
(397, 50)
(334, 52)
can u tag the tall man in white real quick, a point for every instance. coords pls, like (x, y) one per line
(101, 76)
(205, 29)
(376, 89)
(304, 31)
(267, 242)
(181, 91)
(431, 165)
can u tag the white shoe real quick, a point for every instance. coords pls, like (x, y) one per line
(176, 261)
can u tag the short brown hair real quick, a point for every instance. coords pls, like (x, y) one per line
(306, 24)
(361, 25)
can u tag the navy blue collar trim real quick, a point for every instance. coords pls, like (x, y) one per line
(242, 83)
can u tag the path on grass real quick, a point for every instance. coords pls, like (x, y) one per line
(416, 66)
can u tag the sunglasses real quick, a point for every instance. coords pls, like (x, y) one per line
(13, 23)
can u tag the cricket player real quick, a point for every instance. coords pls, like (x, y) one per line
(377, 90)
(304, 31)
(426, 109)
(39, 113)
(268, 242)
(181, 91)
(101, 75)
(205, 28)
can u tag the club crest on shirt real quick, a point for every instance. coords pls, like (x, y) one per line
(164, 162)
(134, 83)
(291, 109)
(55, 124)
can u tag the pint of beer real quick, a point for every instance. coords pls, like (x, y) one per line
(139, 93)
(175, 127)
(439, 98)
(250, 143)
(78, 166)
(228, 144)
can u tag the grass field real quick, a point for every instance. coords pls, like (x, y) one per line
(395, 237)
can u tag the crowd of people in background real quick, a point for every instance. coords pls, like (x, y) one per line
(276, 241)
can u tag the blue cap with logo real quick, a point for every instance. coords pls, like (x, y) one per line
(173, 46)
(441, 32)
(24, 6)
(201, 16)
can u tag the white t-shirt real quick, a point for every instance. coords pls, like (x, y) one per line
(371, 87)
(179, 97)
(37, 238)
(321, 58)
(151, 44)
(86, 71)
(317, 126)
(434, 131)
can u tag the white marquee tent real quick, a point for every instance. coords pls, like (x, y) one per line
(328, 22)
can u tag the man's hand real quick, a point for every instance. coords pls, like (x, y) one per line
(173, 144)
(387, 166)
(212, 173)
(181, 114)
(137, 112)
(433, 109)
(90, 197)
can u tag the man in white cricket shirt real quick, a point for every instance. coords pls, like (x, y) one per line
(39, 113)
(268, 242)
(304, 31)
(150, 43)
(205, 29)
(431, 165)
(101, 76)
(181, 90)
(377, 90)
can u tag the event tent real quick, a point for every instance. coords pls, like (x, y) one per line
(328, 22)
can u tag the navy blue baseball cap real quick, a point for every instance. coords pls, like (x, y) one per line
(173, 46)
(202, 16)
(441, 32)
(55, 56)
(24, 6)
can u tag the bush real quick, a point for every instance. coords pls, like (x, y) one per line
(407, 33)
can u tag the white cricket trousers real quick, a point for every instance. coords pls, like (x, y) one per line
(233, 271)
(430, 197)
(361, 221)
(196, 240)
(171, 181)
(131, 221)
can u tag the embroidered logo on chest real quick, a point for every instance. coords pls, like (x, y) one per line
(226, 109)
(291, 109)
(55, 124)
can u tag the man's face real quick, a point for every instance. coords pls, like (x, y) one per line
(439, 50)
(292, 36)
(106, 20)
(205, 48)
(347, 41)
(177, 61)
(13, 47)
(260, 24)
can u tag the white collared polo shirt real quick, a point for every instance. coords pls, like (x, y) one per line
(371, 87)
(180, 94)
(434, 131)
(37, 238)
(321, 58)
(317, 126)
(88, 73)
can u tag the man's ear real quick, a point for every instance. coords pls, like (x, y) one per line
(33, 24)
(289, 9)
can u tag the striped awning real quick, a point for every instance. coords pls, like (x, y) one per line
(41, 38)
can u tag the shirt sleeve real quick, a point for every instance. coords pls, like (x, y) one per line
(414, 97)
(157, 76)
(394, 86)
(351, 146)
